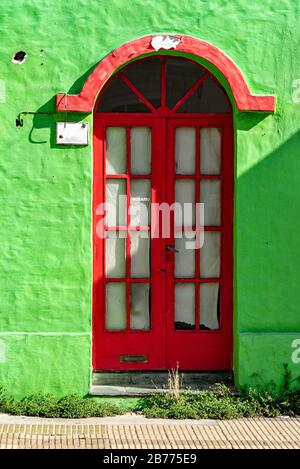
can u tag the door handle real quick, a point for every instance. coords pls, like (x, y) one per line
(171, 248)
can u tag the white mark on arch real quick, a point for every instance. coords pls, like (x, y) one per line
(165, 42)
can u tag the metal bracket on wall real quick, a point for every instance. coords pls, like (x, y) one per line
(19, 119)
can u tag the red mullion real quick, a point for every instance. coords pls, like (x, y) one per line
(197, 250)
(141, 176)
(193, 228)
(190, 92)
(140, 228)
(116, 176)
(128, 232)
(128, 280)
(104, 240)
(221, 229)
(115, 228)
(198, 176)
(136, 91)
(222, 224)
(98, 298)
(170, 258)
(125, 176)
(213, 228)
(124, 228)
(198, 280)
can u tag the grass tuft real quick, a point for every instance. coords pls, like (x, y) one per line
(220, 403)
(72, 406)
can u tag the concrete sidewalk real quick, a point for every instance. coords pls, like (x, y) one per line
(132, 431)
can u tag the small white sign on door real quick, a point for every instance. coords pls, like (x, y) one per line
(72, 133)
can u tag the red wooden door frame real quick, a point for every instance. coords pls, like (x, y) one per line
(109, 346)
(162, 344)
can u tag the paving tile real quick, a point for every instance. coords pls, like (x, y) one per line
(241, 433)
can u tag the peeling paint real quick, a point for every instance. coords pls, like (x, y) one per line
(165, 42)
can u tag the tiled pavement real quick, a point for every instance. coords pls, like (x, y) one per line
(126, 434)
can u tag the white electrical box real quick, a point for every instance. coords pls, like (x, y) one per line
(72, 133)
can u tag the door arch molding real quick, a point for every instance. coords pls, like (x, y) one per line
(138, 48)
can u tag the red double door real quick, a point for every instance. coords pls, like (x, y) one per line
(159, 299)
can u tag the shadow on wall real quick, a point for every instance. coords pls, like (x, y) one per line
(45, 118)
(267, 200)
(247, 120)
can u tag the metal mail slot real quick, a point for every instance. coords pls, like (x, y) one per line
(133, 358)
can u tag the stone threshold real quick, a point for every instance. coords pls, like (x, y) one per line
(139, 383)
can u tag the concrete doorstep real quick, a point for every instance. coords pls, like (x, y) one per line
(139, 383)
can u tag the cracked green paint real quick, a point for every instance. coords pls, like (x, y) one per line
(45, 210)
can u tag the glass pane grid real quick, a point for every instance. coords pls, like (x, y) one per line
(204, 286)
(127, 245)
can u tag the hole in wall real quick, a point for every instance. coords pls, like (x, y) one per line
(19, 57)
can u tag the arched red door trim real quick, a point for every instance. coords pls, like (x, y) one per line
(244, 99)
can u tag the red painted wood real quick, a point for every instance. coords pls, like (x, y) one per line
(197, 251)
(127, 240)
(190, 92)
(136, 91)
(165, 346)
(98, 251)
(201, 349)
(109, 345)
(85, 100)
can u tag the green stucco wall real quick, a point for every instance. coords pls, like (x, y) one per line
(45, 209)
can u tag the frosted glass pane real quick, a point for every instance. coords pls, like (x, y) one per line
(116, 200)
(185, 194)
(140, 306)
(184, 306)
(210, 255)
(140, 202)
(185, 257)
(185, 150)
(210, 150)
(210, 196)
(140, 150)
(115, 306)
(115, 150)
(140, 259)
(115, 255)
(209, 305)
